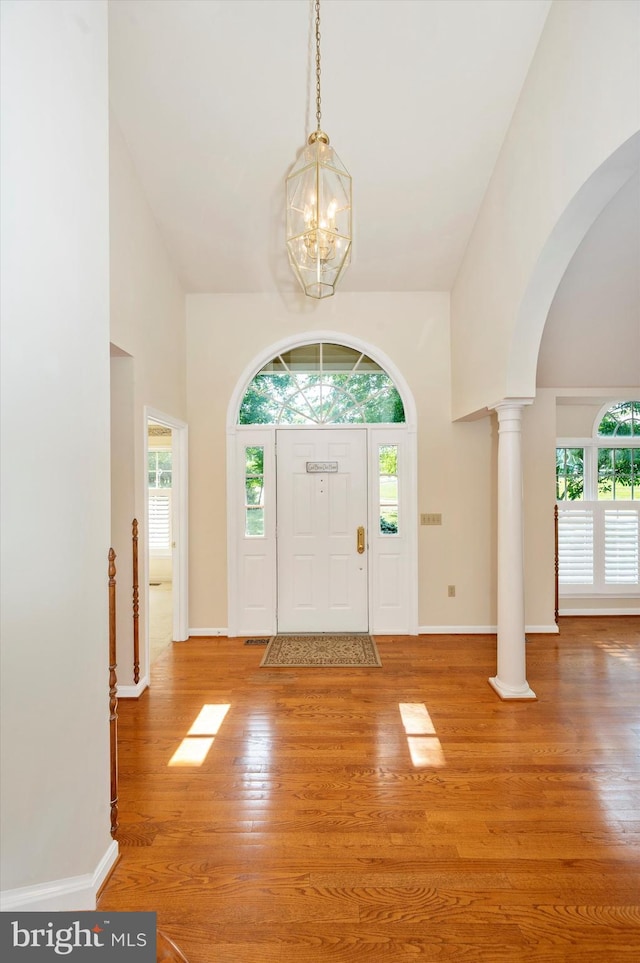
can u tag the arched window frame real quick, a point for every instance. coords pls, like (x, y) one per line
(328, 337)
(314, 395)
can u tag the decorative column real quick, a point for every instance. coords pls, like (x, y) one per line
(511, 679)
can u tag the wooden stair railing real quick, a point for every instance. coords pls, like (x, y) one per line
(136, 605)
(113, 693)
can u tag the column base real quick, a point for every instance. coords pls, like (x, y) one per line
(511, 692)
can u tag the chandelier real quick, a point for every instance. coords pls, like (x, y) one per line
(319, 208)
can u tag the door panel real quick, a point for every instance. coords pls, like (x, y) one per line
(322, 500)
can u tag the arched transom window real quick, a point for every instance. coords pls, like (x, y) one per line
(321, 384)
(622, 420)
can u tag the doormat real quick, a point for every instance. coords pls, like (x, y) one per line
(322, 650)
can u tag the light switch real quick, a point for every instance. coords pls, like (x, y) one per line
(431, 518)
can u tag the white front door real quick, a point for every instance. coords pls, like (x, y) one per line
(321, 518)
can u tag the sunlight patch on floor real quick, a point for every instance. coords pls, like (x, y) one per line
(194, 748)
(191, 752)
(621, 650)
(209, 720)
(424, 746)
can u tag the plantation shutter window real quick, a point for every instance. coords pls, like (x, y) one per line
(575, 546)
(621, 547)
(160, 473)
(598, 500)
(160, 521)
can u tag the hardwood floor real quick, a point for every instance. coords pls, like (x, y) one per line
(388, 815)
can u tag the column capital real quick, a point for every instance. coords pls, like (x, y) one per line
(509, 413)
(505, 403)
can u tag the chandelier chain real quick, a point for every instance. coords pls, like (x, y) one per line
(318, 99)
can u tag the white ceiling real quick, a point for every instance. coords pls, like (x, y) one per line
(216, 97)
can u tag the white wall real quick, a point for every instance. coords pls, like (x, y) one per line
(160, 569)
(579, 104)
(592, 333)
(575, 417)
(55, 451)
(456, 461)
(148, 323)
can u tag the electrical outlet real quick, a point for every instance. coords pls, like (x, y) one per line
(431, 518)
(451, 591)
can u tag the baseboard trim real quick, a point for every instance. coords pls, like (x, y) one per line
(381, 633)
(457, 629)
(62, 895)
(480, 629)
(599, 612)
(427, 629)
(209, 632)
(133, 691)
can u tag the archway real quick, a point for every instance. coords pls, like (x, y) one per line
(560, 247)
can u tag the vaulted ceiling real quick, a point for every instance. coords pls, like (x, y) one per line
(215, 98)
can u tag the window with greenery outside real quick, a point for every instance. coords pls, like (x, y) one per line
(159, 468)
(569, 474)
(619, 467)
(254, 491)
(321, 384)
(388, 479)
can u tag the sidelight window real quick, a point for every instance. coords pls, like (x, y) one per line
(254, 491)
(388, 488)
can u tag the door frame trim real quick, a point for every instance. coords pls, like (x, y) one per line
(179, 524)
(235, 431)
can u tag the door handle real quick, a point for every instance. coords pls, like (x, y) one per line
(360, 541)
